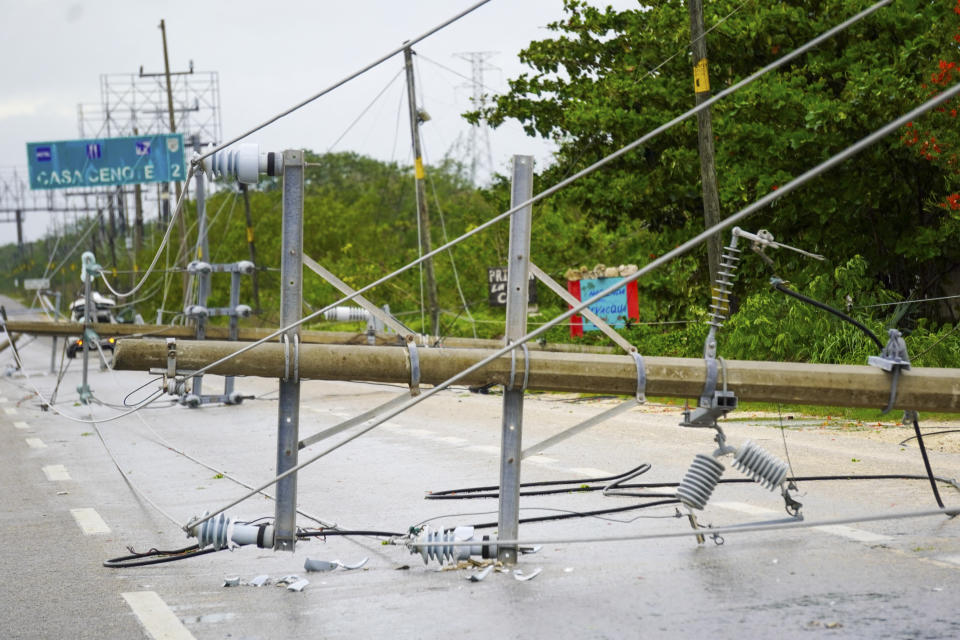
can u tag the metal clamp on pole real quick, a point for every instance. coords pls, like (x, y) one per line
(414, 367)
(892, 359)
(641, 377)
(296, 357)
(513, 368)
(287, 377)
(171, 365)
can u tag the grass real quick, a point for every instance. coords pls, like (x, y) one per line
(853, 415)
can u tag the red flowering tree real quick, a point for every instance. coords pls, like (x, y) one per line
(937, 139)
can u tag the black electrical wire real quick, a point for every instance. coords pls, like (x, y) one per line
(926, 461)
(433, 495)
(492, 491)
(583, 514)
(156, 556)
(779, 286)
(929, 433)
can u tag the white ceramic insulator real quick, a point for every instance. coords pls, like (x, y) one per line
(243, 162)
(346, 314)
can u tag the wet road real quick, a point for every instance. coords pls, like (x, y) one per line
(66, 508)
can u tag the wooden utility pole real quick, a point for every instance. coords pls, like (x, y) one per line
(137, 217)
(708, 171)
(173, 129)
(112, 231)
(422, 212)
(251, 246)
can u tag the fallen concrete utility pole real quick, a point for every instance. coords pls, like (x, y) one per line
(921, 389)
(250, 334)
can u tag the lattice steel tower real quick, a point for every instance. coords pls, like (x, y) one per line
(478, 156)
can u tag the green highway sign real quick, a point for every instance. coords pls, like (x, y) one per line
(106, 162)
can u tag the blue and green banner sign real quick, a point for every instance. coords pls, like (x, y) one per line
(106, 162)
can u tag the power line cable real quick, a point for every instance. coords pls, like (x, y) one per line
(163, 242)
(710, 531)
(364, 112)
(759, 204)
(355, 74)
(902, 302)
(670, 255)
(446, 240)
(68, 416)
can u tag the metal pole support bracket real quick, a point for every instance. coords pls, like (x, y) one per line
(892, 359)
(414, 366)
(288, 375)
(641, 377)
(513, 367)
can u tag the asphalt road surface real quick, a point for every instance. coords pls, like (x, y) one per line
(66, 507)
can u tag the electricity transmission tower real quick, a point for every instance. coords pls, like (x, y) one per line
(478, 156)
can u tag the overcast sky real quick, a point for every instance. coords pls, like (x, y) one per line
(269, 56)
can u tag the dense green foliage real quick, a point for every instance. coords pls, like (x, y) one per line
(887, 220)
(608, 77)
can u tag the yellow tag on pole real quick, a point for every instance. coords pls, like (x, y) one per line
(249, 235)
(418, 169)
(701, 78)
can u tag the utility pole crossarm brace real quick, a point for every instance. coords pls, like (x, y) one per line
(567, 297)
(347, 290)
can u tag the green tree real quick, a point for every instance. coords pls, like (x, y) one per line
(608, 77)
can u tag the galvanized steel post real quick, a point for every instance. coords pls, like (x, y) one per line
(203, 249)
(291, 301)
(511, 446)
(56, 318)
(84, 388)
(234, 302)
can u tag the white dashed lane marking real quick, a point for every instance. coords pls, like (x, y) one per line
(56, 472)
(35, 443)
(21, 425)
(10, 411)
(89, 521)
(155, 616)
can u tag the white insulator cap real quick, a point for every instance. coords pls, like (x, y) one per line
(198, 266)
(245, 266)
(196, 311)
(244, 162)
(243, 310)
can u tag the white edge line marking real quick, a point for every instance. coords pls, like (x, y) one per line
(21, 425)
(55, 472)
(89, 521)
(155, 616)
(35, 443)
(858, 535)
